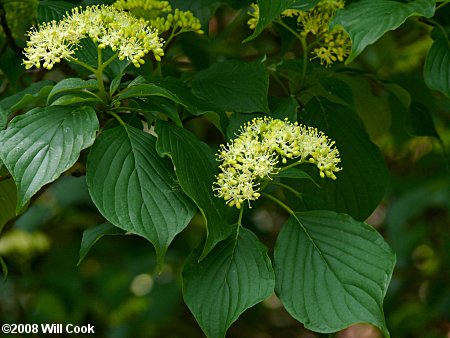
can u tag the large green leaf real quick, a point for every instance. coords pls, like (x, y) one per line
(41, 144)
(35, 94)
(361, 184)
(182, 92)
(437, 64)
(234, 86)
(52, 10)
(236, 275)
(70, 85)
(135, 189)
(269, 10)
(332, 271)
(93, 235)
(381, 16)
(195, 168)
(202, 9)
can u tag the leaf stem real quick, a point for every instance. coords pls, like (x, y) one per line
(281, 204)
(287, 187)
(117, 117)
(304, 44)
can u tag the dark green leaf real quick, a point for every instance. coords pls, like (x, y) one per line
(8, 199)
(282, 108)
(332, 271)
(92, 235)
(195, 169)
(338, 88)
(69, 99)
(160, 105)
(383, 16)
(192, 103)
(41, 144)
(437, 65)
(295, 173)
(115, 83)
(361, 184)
(234, 86)
(135, 189)
(53, 10)
(419, 121)
(72, 84)
(270, 10)
(35, 94)
(147, 89)
(235, 276)
(236, 121)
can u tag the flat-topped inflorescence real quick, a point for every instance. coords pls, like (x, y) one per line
(259, 148)
(107, 26)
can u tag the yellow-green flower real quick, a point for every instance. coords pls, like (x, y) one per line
(259, 148)
(107, 26)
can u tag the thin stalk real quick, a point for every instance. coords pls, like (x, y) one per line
(82, 64)
(304, 44)
(117, 117)
(281, 204)
(287, 187)
(293, 164)
(99, 75)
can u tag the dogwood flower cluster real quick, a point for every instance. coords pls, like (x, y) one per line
(107, 26)
(161, 16)
(332, 45)
(259, 148)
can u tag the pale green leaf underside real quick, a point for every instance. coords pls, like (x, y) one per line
(41, 144)
(382, 16)
(332, 271)
(135, 189)
(195, 169)
(437, 66)
(236, 275)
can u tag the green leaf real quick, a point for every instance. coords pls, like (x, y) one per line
(147, 89)
(383, 16)
(419, 121)
(295, 173)
(35, 94)
(135, 189)
(332, 271)
(270, 10)
(338, 88)
(186, 98)
(92, 235)
(437, 65)
(160, 105)
(70, 85)
(361, 184)
(41, 144)
(195, 169)
(8, 199)
(52, 10)
(70, 99)
(282, 108)
(235, 276)
(234, 86)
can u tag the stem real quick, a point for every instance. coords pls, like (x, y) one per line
(442, 5)
(287, 187)
(281, 204)
(304, 44)
(99, 75)
(293, 164)
(117, 117)
(82, 64)
(241, 212)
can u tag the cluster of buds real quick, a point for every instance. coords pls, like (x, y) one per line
(107, 26)
(334, 45)
(147, 9)
(161, 16)
(255, 154)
